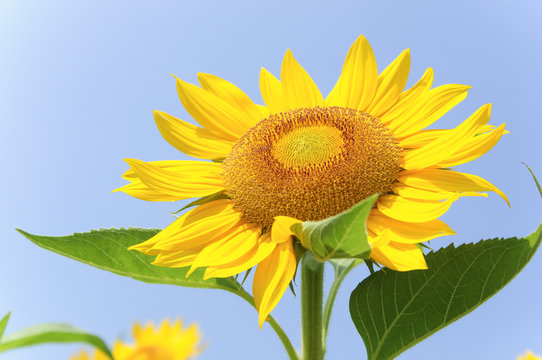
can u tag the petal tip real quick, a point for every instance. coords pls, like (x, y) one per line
(192, 269)
(361, 39)
(131, 161)
(261, 320)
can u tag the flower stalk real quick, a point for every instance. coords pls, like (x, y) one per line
(312, 293)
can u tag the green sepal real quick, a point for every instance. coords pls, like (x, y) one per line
(299, 250)
(247, 273)
(340, 236)
(370, 265)
(204, 200)
(51, 333)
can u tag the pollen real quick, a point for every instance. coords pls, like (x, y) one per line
(310, 164)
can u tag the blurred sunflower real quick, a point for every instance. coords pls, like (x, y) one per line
(168, 342)
(302, 157)
(529, 356)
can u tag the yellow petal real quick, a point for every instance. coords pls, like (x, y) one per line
(419, 194)
(241, 241)
(232, 95)
(399, 256)
(280, 231)
(194, 237)
(474, 148)
(82, 355)
(422, 138)
(356, 86)
(201, 179)
(375, 239)
(428, 109)
(264, 111)
(141, 191)
(271, 90)
(199, 233)
(260, 252)
(390, 84)
(405, 232)
(422, 86)
(529, 356)
(298, 88)
(449, 143)
(489, 128)
(177, 259)
(139, 332)
(409, 98)
(447, 181)
(272, 278)
(213, 113)
(188, 168)
(415, 211)
(198, 221)
(190, 139)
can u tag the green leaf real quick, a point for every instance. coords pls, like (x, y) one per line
(535, 179)
(393, 310)
(48, 333)
(107, 249)
(340, 236)
(3, 324)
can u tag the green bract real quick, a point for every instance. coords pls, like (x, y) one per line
(340, 236)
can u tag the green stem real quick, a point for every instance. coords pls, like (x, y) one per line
(339, 277)
(292, 354)
(312, 293)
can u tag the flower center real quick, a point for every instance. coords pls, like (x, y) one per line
(305, 146)
(310, 164)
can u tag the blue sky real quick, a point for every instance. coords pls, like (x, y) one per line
(79, 81)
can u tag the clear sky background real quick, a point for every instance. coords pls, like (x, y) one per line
(79, 81)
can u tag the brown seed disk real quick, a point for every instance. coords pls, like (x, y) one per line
(310, 164)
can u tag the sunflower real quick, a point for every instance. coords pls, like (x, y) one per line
(302, 157)
(168, 342)
(529, 356)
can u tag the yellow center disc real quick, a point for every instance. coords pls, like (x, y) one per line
(310, 164)
(306, 146)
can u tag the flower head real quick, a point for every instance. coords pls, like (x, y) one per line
(169, 341)
(302, 157)
(529, 356)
